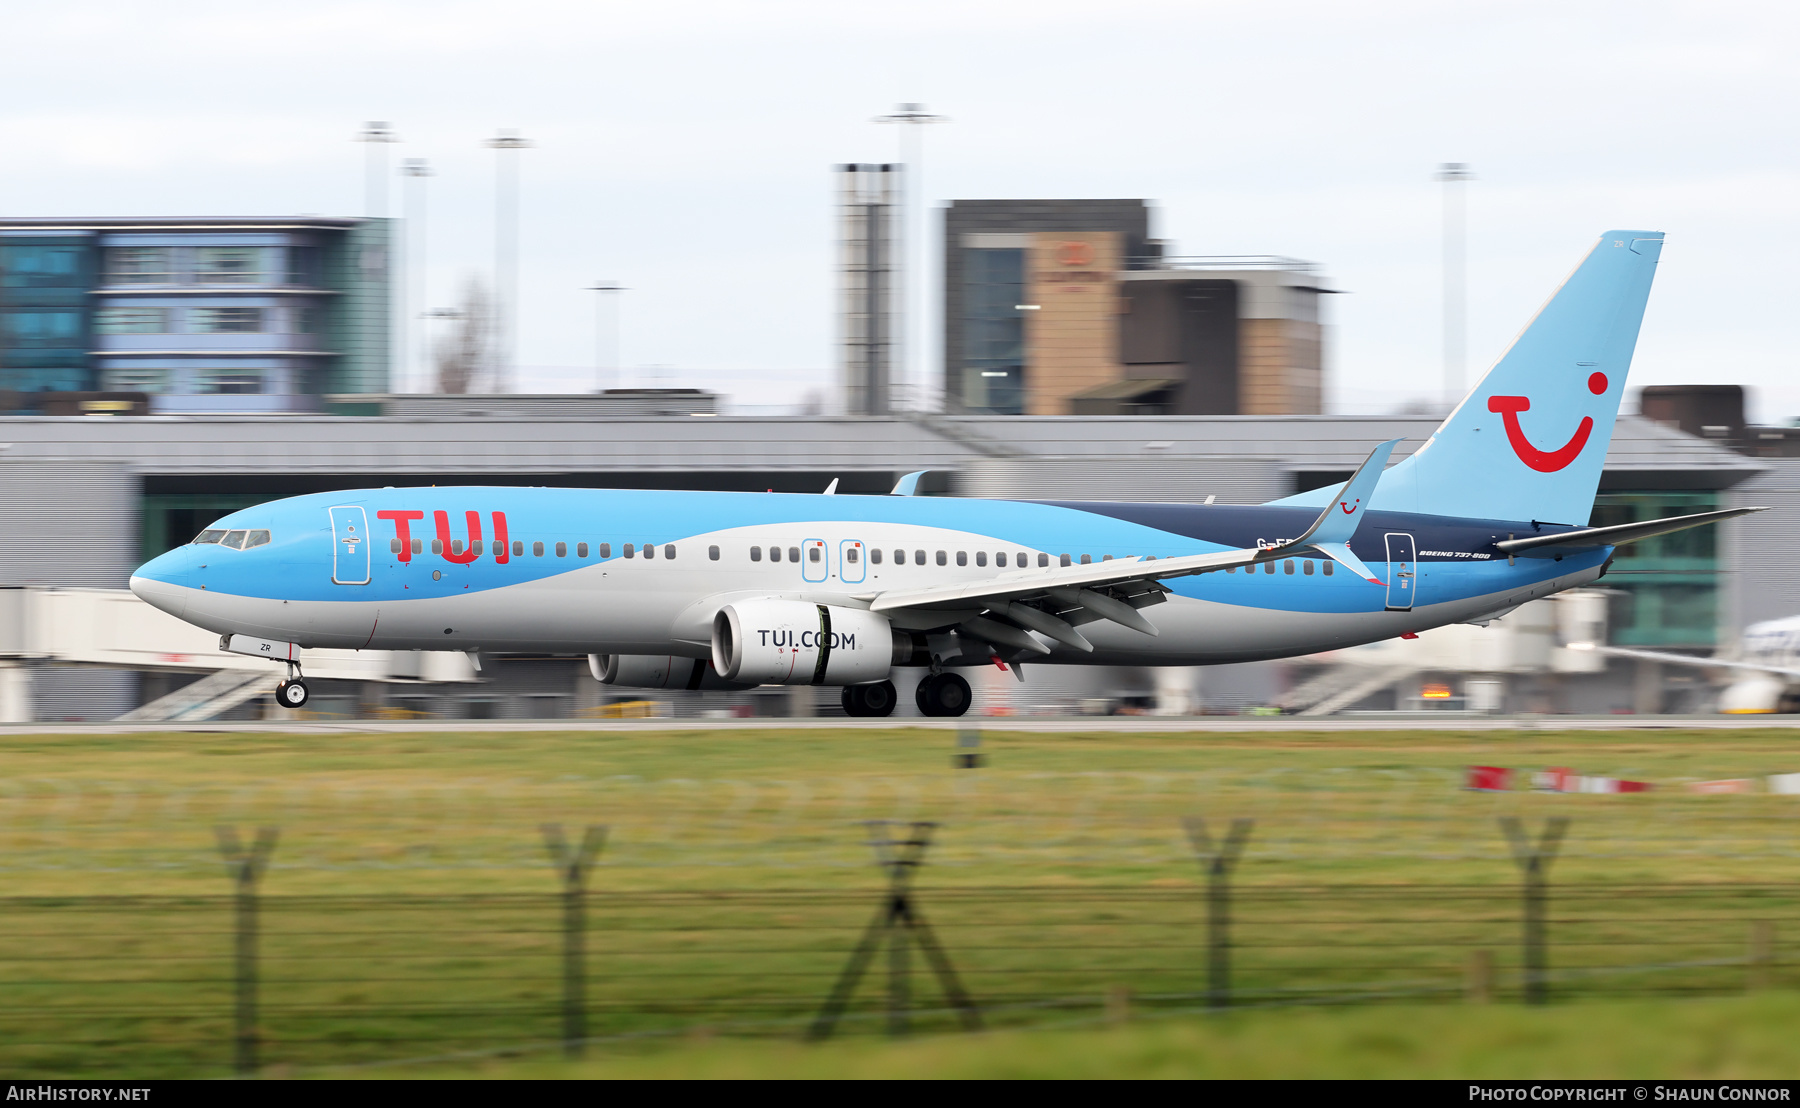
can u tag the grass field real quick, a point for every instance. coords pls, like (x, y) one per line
(411, 909)
(1737, 1038)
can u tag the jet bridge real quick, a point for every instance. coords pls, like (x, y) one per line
(113, 629)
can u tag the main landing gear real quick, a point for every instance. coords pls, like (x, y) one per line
(292, 693)
(870, 700)
(943, 694)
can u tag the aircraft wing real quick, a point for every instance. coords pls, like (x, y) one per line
(1622, 533)
(1682, 659)
(1055, 600)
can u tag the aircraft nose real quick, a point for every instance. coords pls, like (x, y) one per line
(153, 583)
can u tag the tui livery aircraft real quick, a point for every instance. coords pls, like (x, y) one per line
(718, 590)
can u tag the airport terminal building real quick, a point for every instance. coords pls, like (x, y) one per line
(89, 498)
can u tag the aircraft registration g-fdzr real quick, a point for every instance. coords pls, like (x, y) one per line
(715, 590)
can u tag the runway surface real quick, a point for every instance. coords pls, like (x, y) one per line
(1120, 724)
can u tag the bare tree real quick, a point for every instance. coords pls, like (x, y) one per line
(462, 357)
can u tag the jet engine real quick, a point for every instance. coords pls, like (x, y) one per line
(659, 671)
(790, 642)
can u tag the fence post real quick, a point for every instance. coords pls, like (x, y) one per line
(1762, 954)
(895, 921)
(1534, 864)
(573, 865)
(245, 866)
(1218, 864)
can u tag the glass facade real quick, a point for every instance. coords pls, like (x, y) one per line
(993, 328)
(44, 338)
(1668, 587)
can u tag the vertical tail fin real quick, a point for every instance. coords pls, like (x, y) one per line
(1530, 440)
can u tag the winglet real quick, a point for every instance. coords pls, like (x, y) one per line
(909, 485)
(831, 489)
(1337, 524)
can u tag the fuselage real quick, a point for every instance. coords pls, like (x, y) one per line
(637, 572)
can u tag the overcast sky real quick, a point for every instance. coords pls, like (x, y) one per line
(684, 150)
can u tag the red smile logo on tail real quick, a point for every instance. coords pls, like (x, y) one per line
(1544, 461)
(1349, 509)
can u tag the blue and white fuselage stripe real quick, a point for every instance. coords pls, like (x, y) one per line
(285, 589)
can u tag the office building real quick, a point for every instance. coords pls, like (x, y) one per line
(1070, 307)
(199, 315)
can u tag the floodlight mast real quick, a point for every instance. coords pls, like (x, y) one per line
(911, 118)
(506, 253)
(1455, 175)
(414, 171)
(376, 135)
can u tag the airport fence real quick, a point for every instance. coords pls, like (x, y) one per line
(257, 977)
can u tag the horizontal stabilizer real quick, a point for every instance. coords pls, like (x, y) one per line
(1620, 534)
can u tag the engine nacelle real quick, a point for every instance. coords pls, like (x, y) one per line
(659, 671)
(791, 642)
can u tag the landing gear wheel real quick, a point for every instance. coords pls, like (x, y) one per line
(944, 694)
(292, 694)
(870, 700)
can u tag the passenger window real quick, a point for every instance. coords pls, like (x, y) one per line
(918, 557)
(1230, 569)
(962, 557)
(649, 550)
(393, 546)
(1268, 567)
(875, 555)
(774, 553)
(669, 551)
(456, 546)
(851, 555)
(475, 546)
(756, 553)
(1287, 567)
(562, 550)
(793, 553)
(1328, 568)
(981, 557)
(899, 557)
(942, 559)
(209, 536)
(437, 546)
(581, 550)
(1106, 557)
(812, 554)
(1000, 560)
(1087, 559)
(418, 545)
(257, 538)
(1043, 560)
(518, 548)
(606, 550)
(537, 550)
(1307, 566)
(1065, 560)
(713, 553)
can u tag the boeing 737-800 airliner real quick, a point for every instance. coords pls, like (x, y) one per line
(708, 590)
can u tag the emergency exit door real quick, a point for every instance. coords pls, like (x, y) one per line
(1403, 573)
(349, 546)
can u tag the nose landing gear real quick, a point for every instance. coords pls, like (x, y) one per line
(292, 692)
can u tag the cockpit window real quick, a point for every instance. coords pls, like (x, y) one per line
(234, 539)
(209, 536)
(257, 538)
